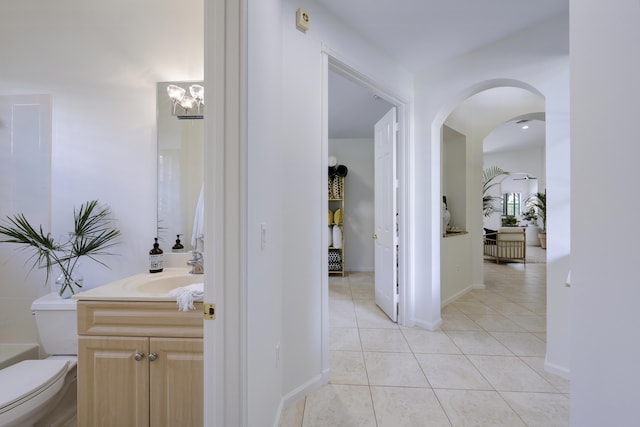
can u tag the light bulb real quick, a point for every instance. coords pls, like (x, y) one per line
(175, 92)
(187, 102)
(197, 92)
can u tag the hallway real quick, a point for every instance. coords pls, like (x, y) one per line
(484, 367)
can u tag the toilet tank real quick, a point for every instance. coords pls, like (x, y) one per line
(57, 324)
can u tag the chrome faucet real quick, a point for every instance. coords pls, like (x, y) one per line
(197, 263)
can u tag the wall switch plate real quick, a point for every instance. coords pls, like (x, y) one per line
(263, 235)
(302, 20)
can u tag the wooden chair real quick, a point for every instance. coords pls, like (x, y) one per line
(506, 244)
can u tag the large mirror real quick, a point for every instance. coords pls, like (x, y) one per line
(180, 173)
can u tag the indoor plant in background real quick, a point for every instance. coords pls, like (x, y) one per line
(92, 235)
(489, 180)
(530, 216)
(509, 221)
(539, 202)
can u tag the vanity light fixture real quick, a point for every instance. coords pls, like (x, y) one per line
(187, 106)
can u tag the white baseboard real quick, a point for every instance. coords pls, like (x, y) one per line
(457, 295)
(430, 326)
(293, 396)
(561, 371)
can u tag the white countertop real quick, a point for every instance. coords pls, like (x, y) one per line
(142, 287)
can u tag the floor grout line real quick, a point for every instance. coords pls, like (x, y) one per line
(528, 293)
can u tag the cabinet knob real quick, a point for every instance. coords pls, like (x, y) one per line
(138, 356)
(375, 237)
(152, 357)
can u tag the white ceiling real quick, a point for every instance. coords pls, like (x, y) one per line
(512, 136)
(421, 33)
(353, 110)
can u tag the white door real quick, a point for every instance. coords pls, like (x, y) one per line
(385, 234)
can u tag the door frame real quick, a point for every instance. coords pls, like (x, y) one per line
(406, 217)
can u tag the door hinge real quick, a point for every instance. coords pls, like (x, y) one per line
(209, 312)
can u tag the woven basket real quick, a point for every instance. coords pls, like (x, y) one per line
(337, 188)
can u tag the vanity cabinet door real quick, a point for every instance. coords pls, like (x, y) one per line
(113, 387)
(176, 382)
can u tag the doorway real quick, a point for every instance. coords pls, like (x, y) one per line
(491, 124)
(376, 93)
(405, 217)
(362, 149)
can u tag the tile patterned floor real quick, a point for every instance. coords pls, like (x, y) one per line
(484, 367)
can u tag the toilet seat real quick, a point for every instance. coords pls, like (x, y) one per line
(28, 379)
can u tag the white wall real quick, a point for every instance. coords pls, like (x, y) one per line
(454, 175)
(530, 61)
(456, 278)
(100, 62)
(357, 155)
(605, 101)
(455, 250)
(302, 157)
(25, 175)
(274, 169)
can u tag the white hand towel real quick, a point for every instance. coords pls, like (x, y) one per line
(198, 221)
(186, 295)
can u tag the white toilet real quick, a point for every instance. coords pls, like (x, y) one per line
(43, 392)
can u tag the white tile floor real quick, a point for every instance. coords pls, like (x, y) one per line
(484, 367)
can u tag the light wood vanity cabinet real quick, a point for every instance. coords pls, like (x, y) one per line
(139, 364)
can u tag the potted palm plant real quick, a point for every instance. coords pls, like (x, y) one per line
(539, 202)
(489, 180)
(92, 236)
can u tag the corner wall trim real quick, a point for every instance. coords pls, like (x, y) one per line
(430, 326)
(562, 371)
(292, 397)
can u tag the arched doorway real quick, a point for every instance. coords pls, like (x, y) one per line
(462, 129)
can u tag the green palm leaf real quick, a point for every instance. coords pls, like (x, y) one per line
(92, 236)
(539, 201)
(489, 180)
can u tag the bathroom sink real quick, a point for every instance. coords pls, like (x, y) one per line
(143, 287)
(159, 283)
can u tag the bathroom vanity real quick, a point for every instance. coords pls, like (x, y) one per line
(139, 358)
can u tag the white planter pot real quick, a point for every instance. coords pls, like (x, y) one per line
(532, 235)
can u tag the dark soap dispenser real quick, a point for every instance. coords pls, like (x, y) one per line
(178, 247)
(156, 261)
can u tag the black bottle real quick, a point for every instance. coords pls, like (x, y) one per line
(156, 262)
(178, 247)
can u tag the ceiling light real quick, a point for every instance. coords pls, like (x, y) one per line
(525, 127)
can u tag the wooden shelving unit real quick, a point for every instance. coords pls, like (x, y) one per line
(336, 202)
